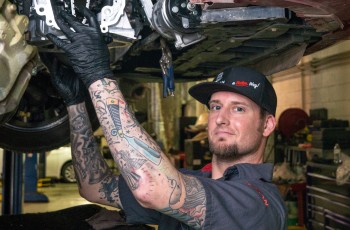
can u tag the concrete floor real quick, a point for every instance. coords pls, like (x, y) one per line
(60, 196)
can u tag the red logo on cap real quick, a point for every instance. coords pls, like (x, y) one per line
(241, 83)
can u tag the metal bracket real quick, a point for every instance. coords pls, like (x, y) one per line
(114, 20)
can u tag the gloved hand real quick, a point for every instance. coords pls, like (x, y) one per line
(87, 49)
(67, 84)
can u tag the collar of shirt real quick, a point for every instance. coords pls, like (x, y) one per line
(254, 171)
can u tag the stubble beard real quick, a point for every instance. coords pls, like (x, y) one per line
(232, 152)
(224, 152)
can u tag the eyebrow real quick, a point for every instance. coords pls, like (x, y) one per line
(213, 101)
(232, 102)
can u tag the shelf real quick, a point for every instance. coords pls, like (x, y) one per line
(328, 204)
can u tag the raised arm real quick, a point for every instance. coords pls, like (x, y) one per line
(96, 181)
(151, 177)
(154, 181)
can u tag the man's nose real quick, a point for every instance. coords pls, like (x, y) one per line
(222, 117)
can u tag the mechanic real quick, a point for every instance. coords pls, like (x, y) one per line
(237, 193)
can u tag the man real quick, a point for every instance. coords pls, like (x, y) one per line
(236, 194)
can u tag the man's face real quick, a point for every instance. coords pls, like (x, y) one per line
(235, 126)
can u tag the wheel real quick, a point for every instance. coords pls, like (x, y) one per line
(41, 121)
(68, 173)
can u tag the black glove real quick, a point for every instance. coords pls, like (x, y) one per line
(87, 49)
(65, 81)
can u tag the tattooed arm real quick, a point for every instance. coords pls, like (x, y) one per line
(153, 180)
(96, 181)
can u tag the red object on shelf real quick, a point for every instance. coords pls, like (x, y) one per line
(291, 121)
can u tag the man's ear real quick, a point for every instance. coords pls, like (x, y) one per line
(270, 125)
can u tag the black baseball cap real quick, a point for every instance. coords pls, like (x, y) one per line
(242, 80)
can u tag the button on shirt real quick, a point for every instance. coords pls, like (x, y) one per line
(244, 198)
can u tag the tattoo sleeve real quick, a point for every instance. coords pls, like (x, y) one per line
(154, 181)
(93, 175)
(193, 209)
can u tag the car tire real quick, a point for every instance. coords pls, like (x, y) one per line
(49, 136)
(48, 126)
(68, 173)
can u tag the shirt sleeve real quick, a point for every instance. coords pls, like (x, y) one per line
(241, 204)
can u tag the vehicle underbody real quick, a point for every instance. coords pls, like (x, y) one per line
(153, 41)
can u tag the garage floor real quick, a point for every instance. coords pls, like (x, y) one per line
(65, 210)
(60, 195)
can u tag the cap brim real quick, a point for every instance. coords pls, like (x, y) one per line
(203, 91)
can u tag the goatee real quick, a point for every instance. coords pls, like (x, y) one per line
(224, 152)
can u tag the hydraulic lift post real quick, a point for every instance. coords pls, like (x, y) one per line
(13, 180)
(12, 183)
(31, 193)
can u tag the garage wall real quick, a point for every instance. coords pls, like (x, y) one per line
(320, 80)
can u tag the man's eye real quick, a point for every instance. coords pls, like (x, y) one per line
(238, 109)
(214, 107)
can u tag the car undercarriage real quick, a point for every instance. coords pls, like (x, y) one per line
(154, 41)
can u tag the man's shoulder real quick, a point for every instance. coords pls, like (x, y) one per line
(198, 173)
(255, 171)
(260, 171)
